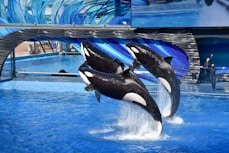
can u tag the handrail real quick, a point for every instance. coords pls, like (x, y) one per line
(49, 73)
(66, 26)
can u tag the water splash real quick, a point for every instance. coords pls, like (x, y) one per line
(106, 130)
(135, 124)
(174, 120)
(163, 100)
(164, 104)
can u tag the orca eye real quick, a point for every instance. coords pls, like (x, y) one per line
(88, 74)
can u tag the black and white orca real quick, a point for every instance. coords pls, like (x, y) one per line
(120, 87)
(160, 67)
(100, 61)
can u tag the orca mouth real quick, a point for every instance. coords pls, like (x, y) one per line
(84, 77)
(84, 49)
(132, 51)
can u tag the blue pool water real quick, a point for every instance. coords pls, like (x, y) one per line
(41, 116)
(52, 63)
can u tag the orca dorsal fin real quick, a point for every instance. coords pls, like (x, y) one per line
(168, 59)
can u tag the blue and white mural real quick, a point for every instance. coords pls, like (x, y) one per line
(63, 12)
(116, 48)
(73, 12)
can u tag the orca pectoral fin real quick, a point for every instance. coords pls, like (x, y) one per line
(168, 59)
(97, 95)
(89, 87)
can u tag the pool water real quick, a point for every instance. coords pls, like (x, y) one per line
(53, 63)
(41, 116)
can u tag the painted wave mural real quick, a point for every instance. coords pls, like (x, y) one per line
(116, 48)
(73, 12)
(63, 12)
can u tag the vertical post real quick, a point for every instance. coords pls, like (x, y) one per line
(42, 47)
(13, 65)
(34, 48)
(61, 46)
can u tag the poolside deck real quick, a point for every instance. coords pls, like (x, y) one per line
(222, 88)
(22, 50)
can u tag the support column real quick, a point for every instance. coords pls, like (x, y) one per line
(13, 65)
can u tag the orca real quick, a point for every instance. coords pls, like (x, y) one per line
(159, 67)
(120, 87)
(100, 61)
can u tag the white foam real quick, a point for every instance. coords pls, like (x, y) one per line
(174, 120)
(136, 124)
(153, 136)
(107, 130)
(163, 101)
(133, 124)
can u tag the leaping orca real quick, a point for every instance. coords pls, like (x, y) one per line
(160, 67)
(100, 61)
(120, 87)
